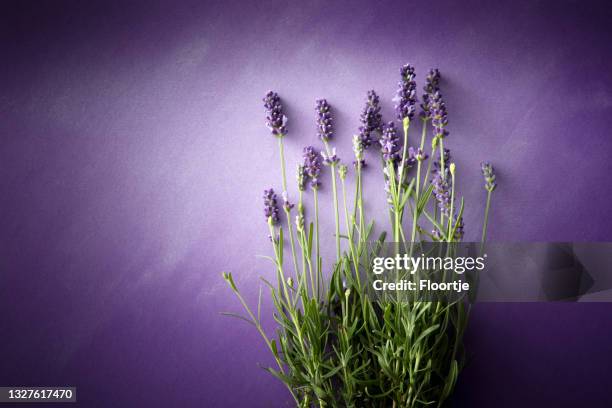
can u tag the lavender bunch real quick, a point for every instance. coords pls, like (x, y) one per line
(271, 206)
(406, 94)
(276, 121)
(332, 346)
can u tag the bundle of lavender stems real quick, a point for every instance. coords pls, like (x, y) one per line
(335, 345)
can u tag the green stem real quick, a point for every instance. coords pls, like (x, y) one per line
(406, 123)
(486, 220)
(317, 256)
(335, 199)
(450, 215)
(416, 206)
(289, 224)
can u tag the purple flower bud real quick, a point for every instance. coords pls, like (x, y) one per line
(447, 159)
(312, 165)
(270, 206)
(275, 120)
(489, 175)
(330, 159)
(459, 231)
(406, 94)
(287, 206)
(442, 190)
(417, 153)
(358, 148)
(324, 120)
(389, 143)
(342, 170)
(439, 116)
(371, 119)
(432, 86)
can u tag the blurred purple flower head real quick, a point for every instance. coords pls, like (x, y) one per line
(447, 159)
(489, 175)
(432, 85)
(270, 206)
(275, 120)
(287, 206)
(324, 120)
(312, 165)
(371, 119)
(342, 170)
(459, 231)
(405, 99)
(330, 159)
(417, 153)
(442, 190)
(389, 142)
(439, 116)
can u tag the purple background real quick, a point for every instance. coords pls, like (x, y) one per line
(133, 156)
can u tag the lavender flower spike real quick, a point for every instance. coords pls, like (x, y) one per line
(432, 86)
(324, 120)
(406, 94)
(489, 175)
(442, 190)
(371, 119)
(439, 117)
(389, 143)
(270, 206)
(358, 148)
(275, 119)
(312, 165)
(301, 177)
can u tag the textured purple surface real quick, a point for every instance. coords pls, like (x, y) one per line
(133, 157)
